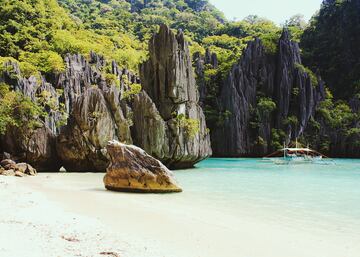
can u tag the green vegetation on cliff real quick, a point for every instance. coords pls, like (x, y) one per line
(37, 34)
(331, 44)
(17, 110)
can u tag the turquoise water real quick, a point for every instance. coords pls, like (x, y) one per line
(322, 196)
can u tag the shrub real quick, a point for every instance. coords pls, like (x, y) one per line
(191, 126)
(44, 61)
(291, 120)
(270, 42)
(277, 138)
(266, 106)
(18, 110)
(133, 90)
(310, 73)
(28, 70)
(112, 79)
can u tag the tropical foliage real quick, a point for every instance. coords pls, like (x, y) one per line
(335, 29)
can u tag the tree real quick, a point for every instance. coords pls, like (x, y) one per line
(297, 20)
(330, 45)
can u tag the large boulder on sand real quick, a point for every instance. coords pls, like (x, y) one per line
(131, 169)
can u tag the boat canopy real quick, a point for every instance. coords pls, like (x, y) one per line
(297, 149)
(290, 150)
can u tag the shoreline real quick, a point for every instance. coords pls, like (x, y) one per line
(73, 214)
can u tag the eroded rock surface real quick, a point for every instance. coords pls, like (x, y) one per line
(131, 169)
(243, 129)
(81, 144)
(36, 147)
(93, 94)
(169, 82)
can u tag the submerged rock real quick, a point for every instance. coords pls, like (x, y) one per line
(131, 169)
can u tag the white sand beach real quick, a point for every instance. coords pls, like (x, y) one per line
(73, 215)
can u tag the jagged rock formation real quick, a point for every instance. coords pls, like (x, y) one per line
(200, 62)
(92, 125)
(132, 170)
(36, 147)
(93, 95)
(168, 80)
(99, 114)
(247, 129)
(96, 114)
(290, 76)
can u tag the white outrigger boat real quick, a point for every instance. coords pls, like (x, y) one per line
(297, 155)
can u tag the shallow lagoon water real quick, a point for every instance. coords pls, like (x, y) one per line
(325, 197)
(229, 207)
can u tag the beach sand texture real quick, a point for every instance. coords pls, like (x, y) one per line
(72, 214)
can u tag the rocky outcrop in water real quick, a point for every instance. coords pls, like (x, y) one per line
(169, 82)
(263, 92)
(132, 170)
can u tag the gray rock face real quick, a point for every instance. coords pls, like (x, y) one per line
(35, 147)
(168, 79)
(200, 63)
(92, 124)
(150, 131)
(355, 104)
(99, 111)
(290, 77)
(238, 96)
(96, 113)
(78, 83)
(279, 77)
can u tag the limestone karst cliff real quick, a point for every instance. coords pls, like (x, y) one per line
(262, 94)
(103, 102)
(168, 79)
(265, 99)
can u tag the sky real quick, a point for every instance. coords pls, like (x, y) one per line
(276, 10)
